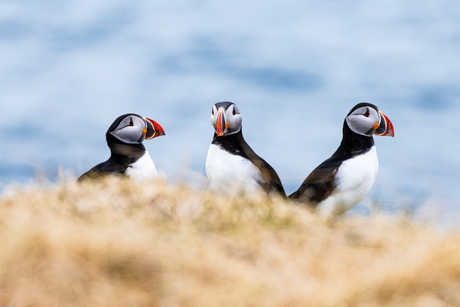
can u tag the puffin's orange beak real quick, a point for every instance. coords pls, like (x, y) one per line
(385, 127)
(221, 123)
(153, 129)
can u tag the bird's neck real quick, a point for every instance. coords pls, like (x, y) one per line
(353, 143)
(122, 152)
(233, 143)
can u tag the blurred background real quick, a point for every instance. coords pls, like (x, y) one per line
(295, 68)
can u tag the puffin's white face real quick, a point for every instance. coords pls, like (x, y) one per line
(366, 119)
(134, 129)
(226, 118)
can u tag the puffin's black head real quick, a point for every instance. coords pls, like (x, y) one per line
(226, 118)
(133, 129)
(366, 119)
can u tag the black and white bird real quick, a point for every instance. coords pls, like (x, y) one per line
(345, 179)
(232, 165)
(128, 155)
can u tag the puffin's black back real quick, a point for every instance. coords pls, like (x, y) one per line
(235, 144)
(321, 181)
(122, 155)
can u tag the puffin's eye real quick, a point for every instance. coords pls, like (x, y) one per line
(366, 113)
(234, 111)
(131, 123)
(212, 112)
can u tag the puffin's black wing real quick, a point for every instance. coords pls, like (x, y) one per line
(270, 179)
(319, 184)
(104, 168)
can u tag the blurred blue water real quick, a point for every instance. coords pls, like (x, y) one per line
(295, 68)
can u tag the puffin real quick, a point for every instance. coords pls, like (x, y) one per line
(128, 155)
(344, 179)
(231, 164)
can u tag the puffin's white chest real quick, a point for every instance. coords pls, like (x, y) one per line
(142, 169)
(228, 172)
(354, 180)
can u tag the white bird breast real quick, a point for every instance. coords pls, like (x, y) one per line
(230, 173)
(355, 179)
(142, 169)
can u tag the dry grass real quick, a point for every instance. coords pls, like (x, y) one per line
(121, 243)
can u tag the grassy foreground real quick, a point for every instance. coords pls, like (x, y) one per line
(122, 243)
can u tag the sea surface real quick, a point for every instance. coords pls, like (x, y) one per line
(295, 69)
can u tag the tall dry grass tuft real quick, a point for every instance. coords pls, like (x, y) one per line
(122, 243)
